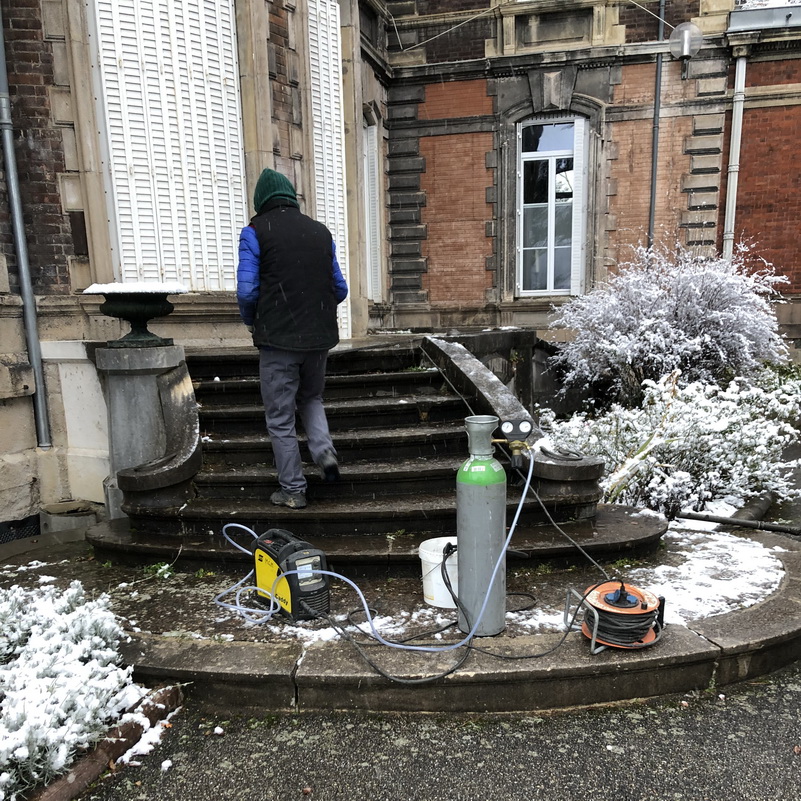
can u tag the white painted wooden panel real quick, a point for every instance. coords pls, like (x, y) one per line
(328, 133)
(170, 114)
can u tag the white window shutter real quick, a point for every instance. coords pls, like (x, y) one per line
(579, 205)
(168, 83)
(328, 133)
(372, 212)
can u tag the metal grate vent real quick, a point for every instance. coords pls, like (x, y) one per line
(19, 529)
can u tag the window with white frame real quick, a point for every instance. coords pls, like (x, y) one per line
(551, 206)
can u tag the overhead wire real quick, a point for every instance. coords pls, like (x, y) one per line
(442, 33)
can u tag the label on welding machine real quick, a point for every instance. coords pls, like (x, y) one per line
(266, 574)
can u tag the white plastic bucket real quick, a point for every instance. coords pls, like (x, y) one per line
(435, 592)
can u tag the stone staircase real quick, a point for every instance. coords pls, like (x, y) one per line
(398, 428)
(399, 435)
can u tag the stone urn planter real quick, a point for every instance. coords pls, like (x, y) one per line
(137, 304)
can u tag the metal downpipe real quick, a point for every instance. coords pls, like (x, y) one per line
(733, 172)
(18, 231)
(655, 135)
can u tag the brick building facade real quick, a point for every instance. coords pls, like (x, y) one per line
(596, 62)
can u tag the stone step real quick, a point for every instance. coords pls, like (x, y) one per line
(615, 528)
(208, 364)
(424, 513)
(359, 480)
(352, 413)
(229, 391)
(351, 444)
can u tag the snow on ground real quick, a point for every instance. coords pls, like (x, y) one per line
(387, 626)
(704, 572)
(721, 573)
(149, 739)
(714, 573)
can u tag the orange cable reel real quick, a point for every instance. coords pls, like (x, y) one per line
(628, 617)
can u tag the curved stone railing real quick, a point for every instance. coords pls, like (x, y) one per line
(559, 475)
(469, 376)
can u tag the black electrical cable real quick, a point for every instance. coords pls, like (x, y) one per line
(429, 633)
(527, 607)
(626, 631)
(558, 528)
(345, 634)
(449, 549)
(541, 654)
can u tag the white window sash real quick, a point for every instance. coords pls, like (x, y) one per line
(372, 212)
(578, 154)
(579, 206)
(328, 134)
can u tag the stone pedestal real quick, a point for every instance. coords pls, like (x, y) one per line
(135, 416)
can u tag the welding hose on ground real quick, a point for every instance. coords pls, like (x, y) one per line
(373, 632)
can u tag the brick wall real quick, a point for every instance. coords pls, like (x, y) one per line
(770, 73)
(630, 174)
(286, 93)
(39, 153)
(456, 44)
(455, 214)
(455, 99)
(449, 6)
(769, 192)
(638, 84)
(643, 27)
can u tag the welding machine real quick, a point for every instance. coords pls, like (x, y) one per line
(302, 595)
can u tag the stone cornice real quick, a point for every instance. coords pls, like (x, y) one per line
(522, 63)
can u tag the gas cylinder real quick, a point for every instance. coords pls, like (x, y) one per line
(481, 530)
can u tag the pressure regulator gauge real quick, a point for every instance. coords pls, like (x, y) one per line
(516, 429)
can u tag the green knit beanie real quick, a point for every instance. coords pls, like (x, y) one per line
(273, 186)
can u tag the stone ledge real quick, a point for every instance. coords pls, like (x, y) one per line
(333, 676)
(221, 673)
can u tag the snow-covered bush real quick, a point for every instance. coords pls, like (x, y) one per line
(710, 318)
(687, 445)
(60, 683)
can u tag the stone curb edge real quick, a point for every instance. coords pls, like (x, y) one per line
(330, 676)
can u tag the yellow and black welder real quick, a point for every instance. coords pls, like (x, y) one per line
(302, 595)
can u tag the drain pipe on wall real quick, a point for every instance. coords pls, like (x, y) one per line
(18, 230)
(655, 138)
(733, 172)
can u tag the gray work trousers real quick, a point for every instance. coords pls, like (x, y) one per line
(292, 382)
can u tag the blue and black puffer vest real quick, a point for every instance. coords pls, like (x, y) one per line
(297, 309)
